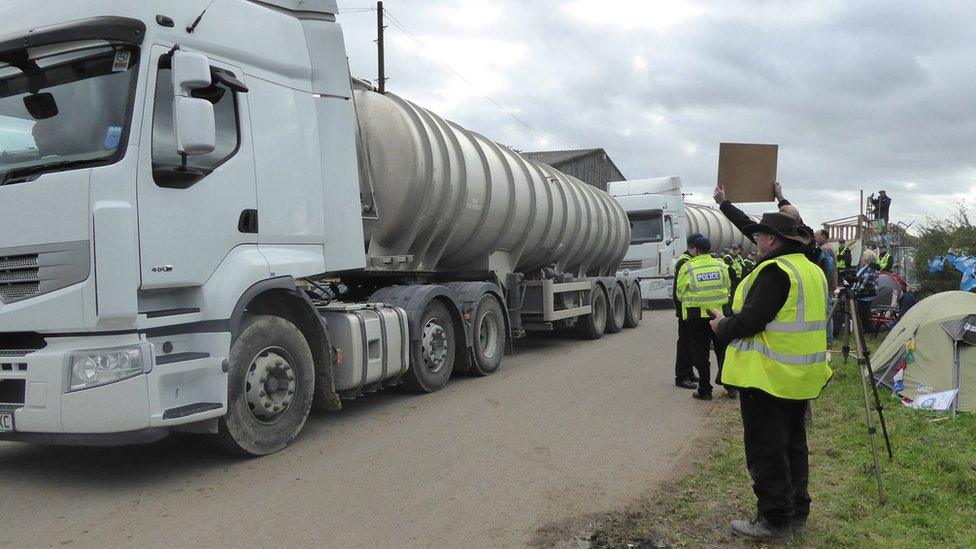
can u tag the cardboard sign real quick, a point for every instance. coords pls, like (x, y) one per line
(747, 171)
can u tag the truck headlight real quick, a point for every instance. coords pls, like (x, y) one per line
(87, 369)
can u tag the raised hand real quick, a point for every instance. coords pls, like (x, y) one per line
(719, 194)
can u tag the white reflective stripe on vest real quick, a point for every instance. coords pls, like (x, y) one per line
(694, 299)
(795, 360)
(797, 326)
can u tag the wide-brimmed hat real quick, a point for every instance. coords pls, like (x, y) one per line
(780, 224)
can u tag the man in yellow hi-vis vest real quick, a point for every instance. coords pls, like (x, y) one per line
(777, 356)
(703, 284)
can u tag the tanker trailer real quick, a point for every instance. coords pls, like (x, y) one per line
(712, 223)
(476, 244)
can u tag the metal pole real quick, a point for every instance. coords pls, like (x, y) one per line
(380, 61)
(858, 344)
(955, 400)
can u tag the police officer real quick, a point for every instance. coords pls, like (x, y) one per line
(703, 284)
(734, 262)
(843, 257)
(749, 263)
(884, 259)
(777, 356)
(684, 376)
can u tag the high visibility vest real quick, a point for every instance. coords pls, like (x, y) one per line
(734, 262)
(885, 261)
(841, 263)
(788, 359)
(748, 265)
(703, 283)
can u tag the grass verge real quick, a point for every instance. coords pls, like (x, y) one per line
(930, 487)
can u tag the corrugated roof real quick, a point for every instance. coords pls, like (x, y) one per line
(555, 158)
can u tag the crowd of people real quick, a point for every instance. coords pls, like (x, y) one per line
(766, 318)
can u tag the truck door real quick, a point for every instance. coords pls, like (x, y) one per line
(190, 219)
(666, 252)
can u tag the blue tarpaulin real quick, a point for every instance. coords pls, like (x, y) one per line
(966, 264)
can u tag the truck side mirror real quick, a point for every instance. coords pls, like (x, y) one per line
(194, 120)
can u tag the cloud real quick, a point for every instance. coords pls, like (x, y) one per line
(859, 95)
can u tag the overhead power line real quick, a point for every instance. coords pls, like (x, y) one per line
(402, 28)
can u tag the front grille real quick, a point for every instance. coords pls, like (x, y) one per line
(632, 264)
(19, 277)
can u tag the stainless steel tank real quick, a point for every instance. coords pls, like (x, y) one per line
(712, 223)
(438, 197)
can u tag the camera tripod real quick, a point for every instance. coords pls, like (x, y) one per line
(848, 307)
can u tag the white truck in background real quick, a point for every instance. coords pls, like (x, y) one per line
(660, 222)
(215, 228)
(655, 209)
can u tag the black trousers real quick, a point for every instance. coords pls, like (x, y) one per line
(776, 454)
(701, 336)
(682, 358)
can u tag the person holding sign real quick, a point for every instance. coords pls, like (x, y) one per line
(777, 357)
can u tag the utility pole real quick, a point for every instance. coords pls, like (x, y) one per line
(380, 62)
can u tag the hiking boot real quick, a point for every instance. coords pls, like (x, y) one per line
(701, 396)
(760, 530)
(685, 384)
(798, 525)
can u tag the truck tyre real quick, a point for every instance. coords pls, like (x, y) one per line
(618, 310)
(635, 307)
(432, 357)
(488, 333)
(593, 325)
(270, 387)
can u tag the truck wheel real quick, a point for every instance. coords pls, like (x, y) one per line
(489, 337)
(432, 358)
(635, 307)
(618, 310)
(593, 324)
(269, 387)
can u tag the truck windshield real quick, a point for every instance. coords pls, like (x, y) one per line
(64, 106)
(646, 227)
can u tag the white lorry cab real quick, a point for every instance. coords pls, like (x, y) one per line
(656, 211)
(207, 226)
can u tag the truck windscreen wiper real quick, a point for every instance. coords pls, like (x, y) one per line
(20, 175)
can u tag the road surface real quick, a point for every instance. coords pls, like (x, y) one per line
(565, 428)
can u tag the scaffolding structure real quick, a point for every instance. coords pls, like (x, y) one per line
(866, 231)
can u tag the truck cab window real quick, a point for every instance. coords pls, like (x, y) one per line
(63, 107)
(166, 160)
(646, 227)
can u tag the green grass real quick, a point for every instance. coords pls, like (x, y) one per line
(930, 487)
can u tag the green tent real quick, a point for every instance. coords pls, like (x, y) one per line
(942, 356)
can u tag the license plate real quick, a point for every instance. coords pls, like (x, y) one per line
(6, 422)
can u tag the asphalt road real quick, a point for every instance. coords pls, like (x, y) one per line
(565, 428)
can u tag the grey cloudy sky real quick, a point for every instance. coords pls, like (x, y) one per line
(859, 95)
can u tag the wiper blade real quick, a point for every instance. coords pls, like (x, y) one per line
(20, 175)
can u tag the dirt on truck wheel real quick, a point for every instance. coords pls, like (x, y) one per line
(488, 345)
(617, 316)
(592, 326)
(269, 387)
(432, 357)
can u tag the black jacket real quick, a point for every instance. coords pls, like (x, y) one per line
(764, 300)
(740, 220)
